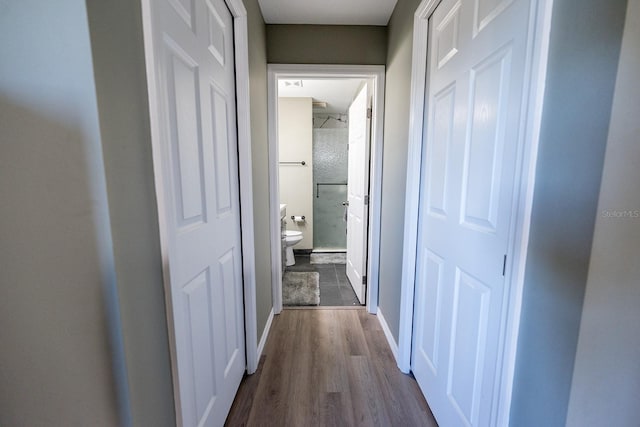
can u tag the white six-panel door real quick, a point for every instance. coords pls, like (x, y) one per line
(357, 189)
(471, 136)
(199, 201)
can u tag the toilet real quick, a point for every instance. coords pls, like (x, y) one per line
(291, 238)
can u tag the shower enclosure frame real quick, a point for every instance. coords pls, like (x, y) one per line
(373, 73)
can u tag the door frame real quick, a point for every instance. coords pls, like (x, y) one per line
(376, 73)
(530, 122)
(241, 59)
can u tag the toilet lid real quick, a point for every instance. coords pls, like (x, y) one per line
(293, 233)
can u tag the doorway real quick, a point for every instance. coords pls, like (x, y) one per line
(324, 199)
(322, 141)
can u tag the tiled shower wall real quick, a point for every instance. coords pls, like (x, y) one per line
(329, 182)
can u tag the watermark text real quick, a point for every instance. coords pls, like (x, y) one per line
(621, 213)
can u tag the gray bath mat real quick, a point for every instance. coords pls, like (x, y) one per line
(301, 288)
(328, 258)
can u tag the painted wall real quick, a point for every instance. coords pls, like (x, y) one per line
(326, 44)
(584, 48)
(606, 378)
(394, 169)
(121, 87)
(260, 158)
(296, 181)
(61, 361)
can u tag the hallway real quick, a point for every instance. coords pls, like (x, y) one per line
(328, 367)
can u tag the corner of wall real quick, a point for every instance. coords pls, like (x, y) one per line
(260, 156)
(396, 144)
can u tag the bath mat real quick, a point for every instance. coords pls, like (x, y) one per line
(301, 288)
(328, 258)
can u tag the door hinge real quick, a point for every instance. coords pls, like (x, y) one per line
(364, 280)
(504, 264)
(369, 113)
(366, 199)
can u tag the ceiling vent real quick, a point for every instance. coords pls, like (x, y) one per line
(292, 83)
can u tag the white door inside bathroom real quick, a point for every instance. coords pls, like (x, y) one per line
(473, 99)
(357, 192)
(193, 110)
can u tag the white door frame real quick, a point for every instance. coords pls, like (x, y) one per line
(535, 70)
(239, 14)
(312, 71)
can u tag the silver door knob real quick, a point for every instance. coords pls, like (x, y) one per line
(345, 203)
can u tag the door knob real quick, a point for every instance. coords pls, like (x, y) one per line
(345, 203)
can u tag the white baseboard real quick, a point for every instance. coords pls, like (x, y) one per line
(265, 334)
(387, 333)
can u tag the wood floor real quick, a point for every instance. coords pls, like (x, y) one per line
(328, 367)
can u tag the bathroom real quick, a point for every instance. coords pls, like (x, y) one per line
(313, 138)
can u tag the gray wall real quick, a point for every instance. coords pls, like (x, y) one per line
(326, 44)
(583, 58)
(606, 378)
(260, 156)
(396, 140)
(121, 87)
(61, 361)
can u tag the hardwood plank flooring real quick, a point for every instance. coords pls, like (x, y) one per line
(328, 368)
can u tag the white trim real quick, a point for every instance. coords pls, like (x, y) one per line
(245, 167)
(265, 334)
(387, 333)
(375, 185)
(377, 74)
(535, 69)
(155, 122)
(414, 165)
(274, 194)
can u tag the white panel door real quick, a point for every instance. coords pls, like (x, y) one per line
(357, 189)
(199, 192)
(472, 121)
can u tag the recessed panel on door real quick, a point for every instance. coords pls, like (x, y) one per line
(486, 11)
(198, 324)
(431, 299)
(185, 9)
(442, 132)
(485, 142)
(186, 143)
(448, 35)
(229, 285)
(215, 31)
(221, 149)
(468, 344)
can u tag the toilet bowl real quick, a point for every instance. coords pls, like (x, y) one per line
(291, 238)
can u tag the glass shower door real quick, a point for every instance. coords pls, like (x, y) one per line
(330, 189)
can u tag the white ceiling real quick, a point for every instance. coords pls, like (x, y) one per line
(338, 94)
(327, 12)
